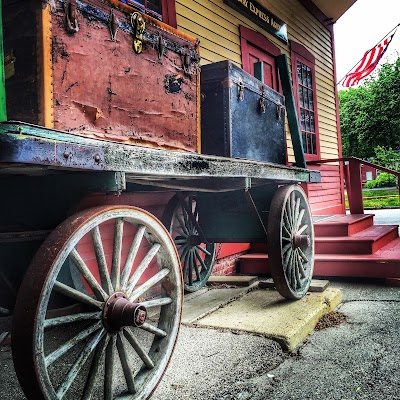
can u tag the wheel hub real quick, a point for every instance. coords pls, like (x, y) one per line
(194, 240)
(302, 241)
(118, 312)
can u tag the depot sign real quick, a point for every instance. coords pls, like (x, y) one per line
(261, 16)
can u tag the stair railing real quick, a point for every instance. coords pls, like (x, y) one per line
(352, 178)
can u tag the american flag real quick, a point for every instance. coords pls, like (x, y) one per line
(368, 63)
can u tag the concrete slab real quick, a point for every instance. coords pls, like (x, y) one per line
(196, 307)
(317, 285)
(237, 280)
(266, 312)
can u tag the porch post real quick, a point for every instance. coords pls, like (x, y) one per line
(354, 188)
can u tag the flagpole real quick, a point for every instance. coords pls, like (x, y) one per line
(370, 49)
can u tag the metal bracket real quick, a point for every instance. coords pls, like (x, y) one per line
(114, 25)
(240, 90)
(71, 20)
(263, 102)
(138, 25)
(254, 210)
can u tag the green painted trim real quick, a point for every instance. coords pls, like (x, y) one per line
(3, 110)
(283, 67)
(259, 71)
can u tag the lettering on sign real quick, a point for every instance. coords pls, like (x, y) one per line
(261, 16)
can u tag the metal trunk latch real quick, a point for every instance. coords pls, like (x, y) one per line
(138, 25)
(70, 13)
(240, 90)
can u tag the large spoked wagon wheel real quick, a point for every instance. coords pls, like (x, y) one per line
(197, 258)
(113, 337)
(291, 242)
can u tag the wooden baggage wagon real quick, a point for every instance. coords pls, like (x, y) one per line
(93, 295)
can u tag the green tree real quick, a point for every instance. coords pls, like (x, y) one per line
(370, 113)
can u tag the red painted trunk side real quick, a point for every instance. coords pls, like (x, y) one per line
(103, 89)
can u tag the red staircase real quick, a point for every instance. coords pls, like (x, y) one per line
(345, 246)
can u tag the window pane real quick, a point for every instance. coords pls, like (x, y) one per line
(309, 77)
(312, 122)
(309, 143)
(302, 119)
(313, 144)
(311, 100)
(307, 118)
(303, 138)
(298, 66)
(306, 96)
(304, 74)
(301, 96)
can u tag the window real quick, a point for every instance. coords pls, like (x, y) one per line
(163, 10)
(303, 72)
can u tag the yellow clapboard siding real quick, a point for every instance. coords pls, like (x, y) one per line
(217, 26)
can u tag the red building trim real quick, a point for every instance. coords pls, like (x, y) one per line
(256, 39)
(169, 12)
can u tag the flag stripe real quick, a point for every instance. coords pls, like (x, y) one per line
(368, 63)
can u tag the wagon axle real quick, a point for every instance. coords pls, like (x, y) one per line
(301, 241)
(119, 312)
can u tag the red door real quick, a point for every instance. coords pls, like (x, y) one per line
(256, 48)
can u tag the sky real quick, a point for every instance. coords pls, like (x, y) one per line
(361, 28)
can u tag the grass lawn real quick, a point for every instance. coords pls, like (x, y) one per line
(380, 198)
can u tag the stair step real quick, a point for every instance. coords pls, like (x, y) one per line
(367, 241)
(385, 263)
(343, 225)
(254, 264)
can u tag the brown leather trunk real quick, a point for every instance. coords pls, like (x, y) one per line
(76, 70)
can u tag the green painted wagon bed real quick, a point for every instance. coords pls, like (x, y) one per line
(96, 294)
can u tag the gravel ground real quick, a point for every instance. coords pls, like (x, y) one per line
(355, 360)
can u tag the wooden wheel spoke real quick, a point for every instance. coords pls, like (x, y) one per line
(286, 239)
(182, 224)
(297, 271)
(90, 383)
(287, 259)
(288, 215)
(286, 248)
(86, 273)
(148, 284)
(77, 295)
(202, 263)
(190, 267)
(196, 268)
(205, 251)
(126, 272)
(180, 241)
(123, 356)
(101, 260)
(83, 356)
(142, 267)
(56, 354)
(296, 213)
(293, 207)
(116, 257)
(109, 368)
(180, 232)
(287, 221)
(139, 350)
(300, 218)
(152, 329)
(300, 264)
(302, 255)
(286, 230)
(157, 302)
(67, 319)
(302, 229)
